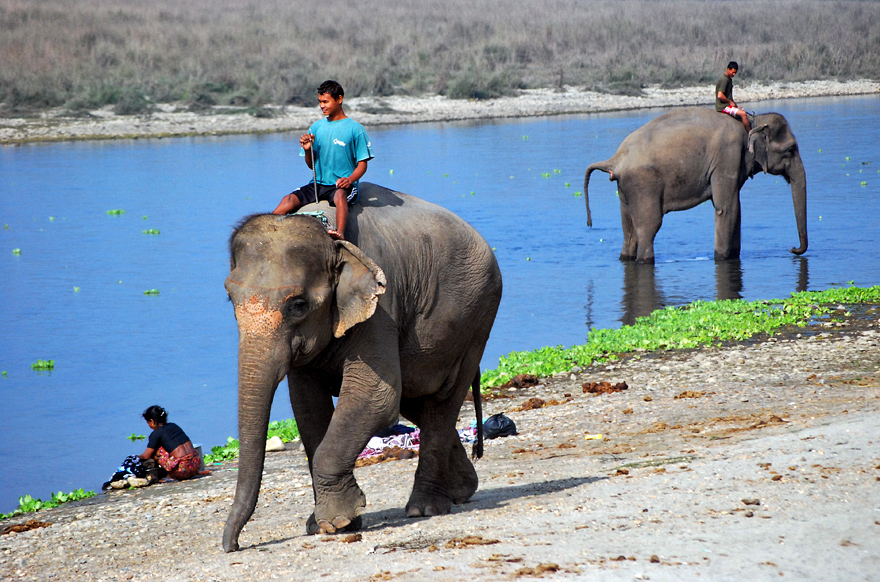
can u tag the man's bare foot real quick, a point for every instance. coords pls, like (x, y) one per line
(335, 235)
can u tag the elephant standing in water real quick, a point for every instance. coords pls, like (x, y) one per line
(691, 155)
(393, 322)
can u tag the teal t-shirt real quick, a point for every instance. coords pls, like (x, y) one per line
(339, 146)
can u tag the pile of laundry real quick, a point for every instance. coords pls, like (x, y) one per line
(135, 473)
(402, 442)
(396, 442)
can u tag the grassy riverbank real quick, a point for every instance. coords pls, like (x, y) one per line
(133, 55)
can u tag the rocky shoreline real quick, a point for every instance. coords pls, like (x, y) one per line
(176, 121)
(754, 460)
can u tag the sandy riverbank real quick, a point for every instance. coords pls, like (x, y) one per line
(754, 461)
(172, 120)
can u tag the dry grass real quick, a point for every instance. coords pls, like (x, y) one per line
(87, 53)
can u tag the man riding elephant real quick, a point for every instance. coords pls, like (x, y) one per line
(724, 102)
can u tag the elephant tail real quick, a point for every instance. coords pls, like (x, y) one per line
(604, 167)
(477, 450)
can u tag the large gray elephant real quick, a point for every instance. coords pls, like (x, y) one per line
(690, 155)
(394, 320)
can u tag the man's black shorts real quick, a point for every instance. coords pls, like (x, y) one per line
(306, 194)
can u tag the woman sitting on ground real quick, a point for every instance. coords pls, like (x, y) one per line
(182, 462)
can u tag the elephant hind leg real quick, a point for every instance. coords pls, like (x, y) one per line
(641, 213)
(463, 480)
(630, 244)
(445, 475)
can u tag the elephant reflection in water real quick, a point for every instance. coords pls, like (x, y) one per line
(728, 280)
(642, 296)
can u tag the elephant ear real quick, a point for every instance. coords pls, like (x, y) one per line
(759, 144)
(360, 281)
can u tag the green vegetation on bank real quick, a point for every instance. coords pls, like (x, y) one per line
(286, 430)
(245, 55)
(28, 504)
(702, 323)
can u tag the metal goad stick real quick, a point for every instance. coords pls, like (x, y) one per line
(315, 170)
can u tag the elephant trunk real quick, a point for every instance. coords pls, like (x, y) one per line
(798, 179)
(262, 364)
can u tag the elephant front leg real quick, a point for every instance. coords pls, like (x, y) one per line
(331, 455)
(313, 408)
(728, 224)
(367, 403)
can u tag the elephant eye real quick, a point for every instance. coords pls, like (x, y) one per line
(297, 307)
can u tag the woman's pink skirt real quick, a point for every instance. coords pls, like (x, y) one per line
(180, 469)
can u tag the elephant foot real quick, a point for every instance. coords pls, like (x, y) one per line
(461, 484)
(420, 506)
(463, 480)
(336, 525)
(337, 509)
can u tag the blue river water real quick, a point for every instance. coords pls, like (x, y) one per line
(73, 292)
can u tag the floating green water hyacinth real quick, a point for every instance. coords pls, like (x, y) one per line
(116, 212)
(43, 365)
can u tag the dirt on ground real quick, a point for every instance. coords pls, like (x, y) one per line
(757, 460)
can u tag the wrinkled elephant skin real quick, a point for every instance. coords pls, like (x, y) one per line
(687, 156)
(393, 321)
